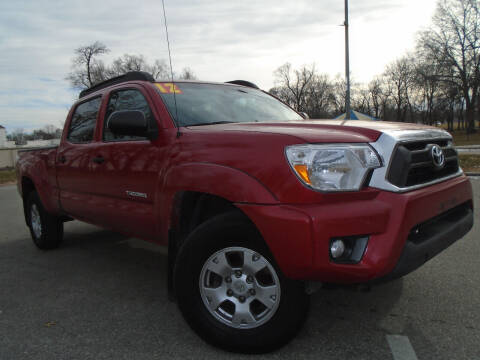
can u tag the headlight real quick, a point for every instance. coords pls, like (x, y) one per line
(333, 167)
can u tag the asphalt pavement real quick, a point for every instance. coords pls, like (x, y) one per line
(103, 296)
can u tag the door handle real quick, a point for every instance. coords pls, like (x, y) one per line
(62, 159)
(98, 160)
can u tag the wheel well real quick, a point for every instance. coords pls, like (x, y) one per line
(190, 210)
(27, 188)
(196, 208)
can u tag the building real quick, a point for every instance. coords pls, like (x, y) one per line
(3, 137)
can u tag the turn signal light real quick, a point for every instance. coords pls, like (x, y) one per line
(302, 170)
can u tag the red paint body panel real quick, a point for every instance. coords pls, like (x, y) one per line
(311, 131)
(246, 165)
(299, 235)
(39, 166)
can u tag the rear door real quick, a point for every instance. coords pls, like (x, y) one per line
(126, 170)
(74, 175)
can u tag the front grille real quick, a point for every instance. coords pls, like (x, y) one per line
(412, 163)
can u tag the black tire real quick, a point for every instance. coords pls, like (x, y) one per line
(49, 233)
(226, 231)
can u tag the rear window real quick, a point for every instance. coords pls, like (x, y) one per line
(203, 104)
(83, 121)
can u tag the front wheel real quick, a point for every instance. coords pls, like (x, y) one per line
(230, 290)
(46, 229)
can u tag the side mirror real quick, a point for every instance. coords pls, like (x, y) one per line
(129, 123)
(304, 115)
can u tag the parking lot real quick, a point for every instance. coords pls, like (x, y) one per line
(103, 296)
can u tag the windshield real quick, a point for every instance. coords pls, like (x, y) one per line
(203, 104)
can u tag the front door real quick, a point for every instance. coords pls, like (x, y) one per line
(126, 170)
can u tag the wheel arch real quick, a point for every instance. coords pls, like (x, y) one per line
(223, 181)
(27, 187)
(224, 187)
(191, 209)
(192, 193)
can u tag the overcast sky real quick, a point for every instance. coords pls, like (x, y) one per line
(218, 40)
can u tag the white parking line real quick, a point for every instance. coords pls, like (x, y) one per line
(401, 347)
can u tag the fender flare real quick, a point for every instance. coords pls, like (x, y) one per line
(226, 182)
(44, 183)
(229, 183)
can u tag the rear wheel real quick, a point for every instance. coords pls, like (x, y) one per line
(46, 229)
(230, 290)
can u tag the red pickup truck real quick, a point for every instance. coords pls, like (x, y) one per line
(255, 203)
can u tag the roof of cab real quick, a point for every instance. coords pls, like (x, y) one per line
(144, 76)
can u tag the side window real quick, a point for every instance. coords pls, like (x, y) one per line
(83, 121)
(126, 100)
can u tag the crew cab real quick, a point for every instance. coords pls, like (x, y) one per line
(255, 203)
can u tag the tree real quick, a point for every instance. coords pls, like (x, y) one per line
(58, 133)
(400, 74)
(377, 94)
(363, 101)
(87, 70)
(428, 86)
(50, 129)
(283, 94)
(304, 90)
(159, 70)
(339, 93)
(187, 74)
(318, 97)
(127, 62)
(296, 82)
(453, 41)
(18, 135)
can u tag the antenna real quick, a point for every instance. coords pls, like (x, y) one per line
(347, 66)
(171, 71)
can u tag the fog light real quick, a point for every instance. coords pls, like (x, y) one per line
(348, 249)
(337, 248)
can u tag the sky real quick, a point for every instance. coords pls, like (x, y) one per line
(219, 40)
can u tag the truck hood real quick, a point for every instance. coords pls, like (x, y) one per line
(319, 131)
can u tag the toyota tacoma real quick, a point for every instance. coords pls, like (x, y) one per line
(256, 203)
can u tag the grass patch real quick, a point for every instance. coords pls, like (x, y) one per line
(461, 138)
(7, 176)
(470, 163)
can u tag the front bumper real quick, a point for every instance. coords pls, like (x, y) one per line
(299, 235)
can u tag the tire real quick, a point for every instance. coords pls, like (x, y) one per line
(264, 319)
(46, 229)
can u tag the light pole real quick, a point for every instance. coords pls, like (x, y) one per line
(347, 65)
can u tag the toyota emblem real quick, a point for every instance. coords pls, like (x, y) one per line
(438, 157)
